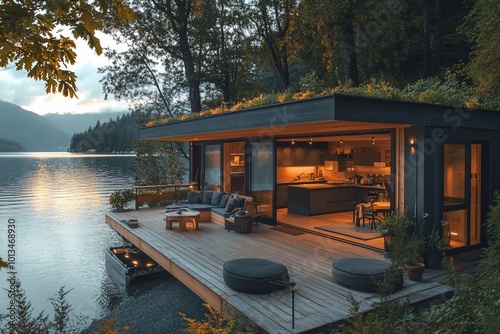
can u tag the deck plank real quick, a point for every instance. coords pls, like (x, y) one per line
(196, 258)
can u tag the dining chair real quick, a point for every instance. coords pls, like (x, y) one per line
(369, 214)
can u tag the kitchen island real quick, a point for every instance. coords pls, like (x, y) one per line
(321, 198)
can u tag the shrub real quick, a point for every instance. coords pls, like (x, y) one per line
(120, 198)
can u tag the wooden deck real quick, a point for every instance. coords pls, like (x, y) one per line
(196, 257)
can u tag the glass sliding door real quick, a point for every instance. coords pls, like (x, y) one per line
(233, 177)
(475, 194)
(262, 177)
(212, 170)
(462, 193)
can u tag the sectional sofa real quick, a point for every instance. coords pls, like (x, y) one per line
(214, 206)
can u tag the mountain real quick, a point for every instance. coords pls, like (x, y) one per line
(75, 123)
(31, 130)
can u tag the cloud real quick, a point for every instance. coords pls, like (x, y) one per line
(17, 88)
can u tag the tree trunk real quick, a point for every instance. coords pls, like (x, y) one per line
(348, 50)
(427, 40)
(437, 47)
(179, 20)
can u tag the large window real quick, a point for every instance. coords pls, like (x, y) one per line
(462, 193)
(454, 174)
(262, 176)
(212, 166)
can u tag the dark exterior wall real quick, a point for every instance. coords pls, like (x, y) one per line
(424, 171)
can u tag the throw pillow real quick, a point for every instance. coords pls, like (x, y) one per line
(216, 197)
(207, 196)
(198, 197)
(230, 205)
(191, 197)
(224, 200)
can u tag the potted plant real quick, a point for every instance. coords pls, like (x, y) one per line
(390, 226)
(434, 245)
(120, 198)
(405, 244)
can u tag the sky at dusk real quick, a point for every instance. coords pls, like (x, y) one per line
(17, 88)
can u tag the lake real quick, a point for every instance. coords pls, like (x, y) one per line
(57, 202)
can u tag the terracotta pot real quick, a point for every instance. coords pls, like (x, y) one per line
(415, 270)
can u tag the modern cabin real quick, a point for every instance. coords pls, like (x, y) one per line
(305, 161)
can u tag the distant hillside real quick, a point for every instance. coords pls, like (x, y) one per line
(10, 146)
(30, 130)
(115, 136)
(74, 123)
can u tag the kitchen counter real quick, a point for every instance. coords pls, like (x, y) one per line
(337, 185)
(321, 198)
(305, 181)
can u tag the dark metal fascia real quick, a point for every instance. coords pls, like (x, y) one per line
(364, 109)
(270, 118)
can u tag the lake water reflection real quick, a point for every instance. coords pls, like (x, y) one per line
(58, 202)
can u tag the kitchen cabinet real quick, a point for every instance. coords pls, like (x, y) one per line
(365, 158)
(282, 196)
(299, 156)
(343, 161)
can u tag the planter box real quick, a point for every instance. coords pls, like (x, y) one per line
(141, 199)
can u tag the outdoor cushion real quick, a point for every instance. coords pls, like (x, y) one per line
(224, 200)
(195, 207)
(207, 196)
(253, 275)
(231, 204)
(216, 197)
(190, 197)
(221, 212)
(361, 273)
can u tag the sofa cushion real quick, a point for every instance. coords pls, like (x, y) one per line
(207, 196)
(216, 197)
(191, 206)
(231, 204)
(224, 200)
(190, 197)
(198, 197)
(221, 212)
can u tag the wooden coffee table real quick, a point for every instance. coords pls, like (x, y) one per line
(182, 218)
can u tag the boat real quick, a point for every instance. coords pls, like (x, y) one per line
(127, 264)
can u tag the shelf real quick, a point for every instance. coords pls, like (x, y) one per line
(237, 153)
(238, 165)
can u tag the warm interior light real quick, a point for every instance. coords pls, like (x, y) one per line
(412, 145)
(373, 140)
(310, 141)
(342, 141)
(135, 263)
(293, 141)
(455, 234)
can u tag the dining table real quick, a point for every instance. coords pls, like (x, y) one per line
(382, 207)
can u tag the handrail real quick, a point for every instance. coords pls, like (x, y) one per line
(177, 185)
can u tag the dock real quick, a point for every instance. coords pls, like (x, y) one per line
(196, 258)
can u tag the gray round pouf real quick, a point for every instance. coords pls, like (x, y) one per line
(254, 275)
(361, 274)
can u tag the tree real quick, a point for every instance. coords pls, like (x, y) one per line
(483, 30)
(272, 19)
(31, 37)
(326, 31)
